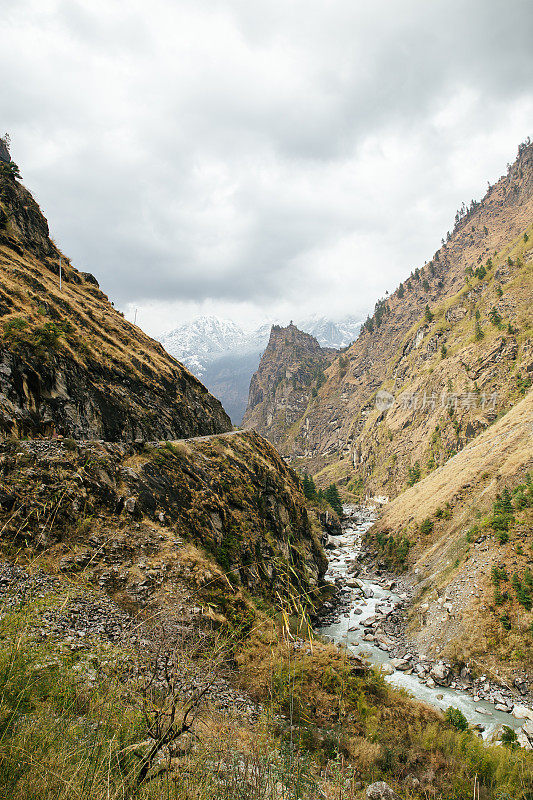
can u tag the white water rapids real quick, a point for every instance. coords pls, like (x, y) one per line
(348, 546)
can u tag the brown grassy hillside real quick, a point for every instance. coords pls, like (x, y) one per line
(475, 339)
(464, 609)
(69, 362)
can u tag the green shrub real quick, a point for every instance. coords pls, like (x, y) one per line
(426, 527)
(456, 718)
(309, 488)
(413, 474)
(509, 737)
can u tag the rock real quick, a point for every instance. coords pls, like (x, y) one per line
(368, 592)
(387, 669)
(481, 710)
(521, 712)
(523, 740)
(368, 621)
(527, 728)
(400, 663)
(496, 735)
(430, 683)
(381, 791)
(130, 504)
(441, 673)
(501, 707)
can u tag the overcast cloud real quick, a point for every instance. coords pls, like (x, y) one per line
(260, 158)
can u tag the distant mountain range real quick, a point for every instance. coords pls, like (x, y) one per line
(224, 355)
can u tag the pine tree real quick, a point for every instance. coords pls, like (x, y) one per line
(331, 494)
(428, 316)
(401, 291)
(309, 488)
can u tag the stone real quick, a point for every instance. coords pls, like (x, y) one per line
(521, 712)
(400, 663)
(496, 736)
(130, 504)
(381, 791)
(441, 673)
(501, 707)
(523, 740)
(387, 669)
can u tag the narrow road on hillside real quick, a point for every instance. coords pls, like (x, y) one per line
(211, 436)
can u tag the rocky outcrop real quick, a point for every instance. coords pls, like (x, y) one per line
(290, 374)
(70, 363)
(128, 514)
(381, 791)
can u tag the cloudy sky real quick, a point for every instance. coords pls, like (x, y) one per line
(260, 158)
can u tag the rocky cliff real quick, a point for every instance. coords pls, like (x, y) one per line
(69, 362)
(152, 522)
(290, 374)
(448, 351)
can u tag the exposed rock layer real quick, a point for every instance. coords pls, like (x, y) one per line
(128, 514)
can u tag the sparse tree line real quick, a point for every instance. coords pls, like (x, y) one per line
(329, 495)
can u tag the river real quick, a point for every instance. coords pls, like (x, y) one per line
(348, 631)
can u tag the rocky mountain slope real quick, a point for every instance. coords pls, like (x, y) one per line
(225, 356)
(469, 562)
(449, 351)
(144, 520)
(289, 375)
(69, 362)
(152, 593)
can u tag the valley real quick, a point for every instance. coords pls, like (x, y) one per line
(187, 611)
(225, 356)
(371, 621)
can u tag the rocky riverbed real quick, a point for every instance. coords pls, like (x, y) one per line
(368, 616)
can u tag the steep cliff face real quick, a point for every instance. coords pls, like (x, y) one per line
(289, 375)
(451, 348)
(69, 362)
(141, 520)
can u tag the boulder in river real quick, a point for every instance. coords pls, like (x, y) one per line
(502, 707)
(400, 663)
(522, 712)
(441, 673)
